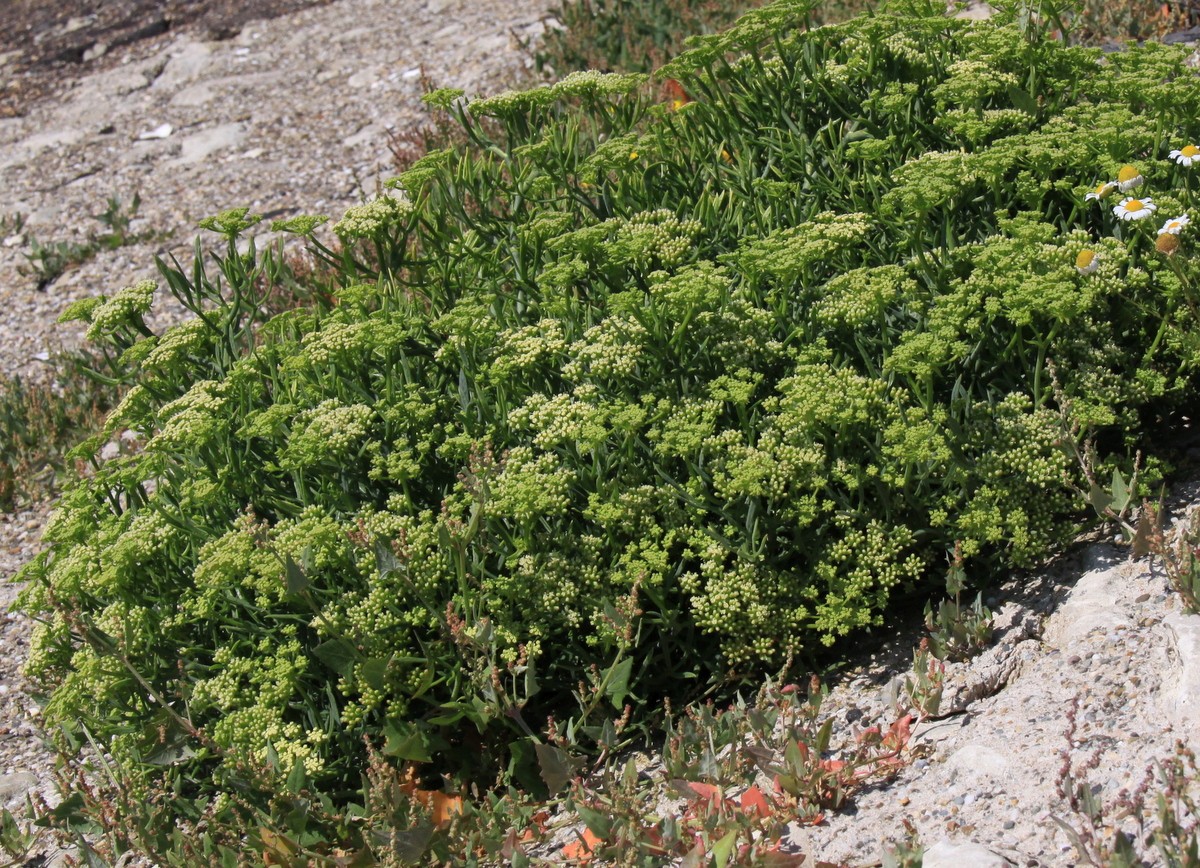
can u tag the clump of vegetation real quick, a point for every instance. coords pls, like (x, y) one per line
(39, 424)
(48, 262)
(621, 400)
(630, 35)
(958, 632)
(1113, 833)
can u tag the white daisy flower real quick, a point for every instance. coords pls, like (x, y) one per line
(1128, 179)
(1175, 225)
(1101, 191)
(1135, 209)
(1087, 261)
(1186, 155)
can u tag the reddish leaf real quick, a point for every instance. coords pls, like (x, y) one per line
(707, 793)
(512, 845)
(776, 858)
(582, 848)
(675, 94)
(754, 802)
(899, 733)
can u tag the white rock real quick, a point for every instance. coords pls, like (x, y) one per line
(1094, 603)
(976, 12)
(974, 761)
(16, 785)
(961, 854)
(1180, 694)
(161, 131)
(195, 95)
(199, 146)
(187, 63)
(363, 78)
(99, 49)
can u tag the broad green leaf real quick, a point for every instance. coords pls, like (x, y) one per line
(297, 581)
(374, 672)
(340, 655)
(1120, 492)
(598, 822)
(557, 768)
(723, 849)
(1100, 499)
(1022, 100)
(406, 743)
(170, 754)
(617, 687)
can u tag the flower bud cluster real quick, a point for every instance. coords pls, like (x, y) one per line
(123, 309)
(373, 218)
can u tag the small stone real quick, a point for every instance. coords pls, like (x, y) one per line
(97, 50)
(161, 131)
(1141, 598)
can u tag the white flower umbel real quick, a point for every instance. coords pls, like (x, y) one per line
(1101, 191)
(1087, 261)
(1175, 225)
(1135, 209)
(1129, 178)
(1186, 155)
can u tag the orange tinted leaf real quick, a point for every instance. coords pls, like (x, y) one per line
(778, 859)
(754, 802)
(708, 792)
(675, 94)
(581, 849)
(443, 807)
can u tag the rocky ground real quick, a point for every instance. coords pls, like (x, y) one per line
(293, 114)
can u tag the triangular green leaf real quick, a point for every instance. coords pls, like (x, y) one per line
(618, 682)
(557, 767)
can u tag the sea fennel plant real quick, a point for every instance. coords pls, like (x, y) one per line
(621, 400)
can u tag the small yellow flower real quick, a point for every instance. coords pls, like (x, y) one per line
(1186, 155)
(1087, 261)
(1175, 225)
(1101, 191)
(726, 156)
(1135, 209)
(633, 155)
(1167, 244)
(1128, 179)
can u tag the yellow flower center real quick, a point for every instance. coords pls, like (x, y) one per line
(1127, 173)
(1190, 151)
(1167, 244)
(1084, 259)
(1134, 205)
